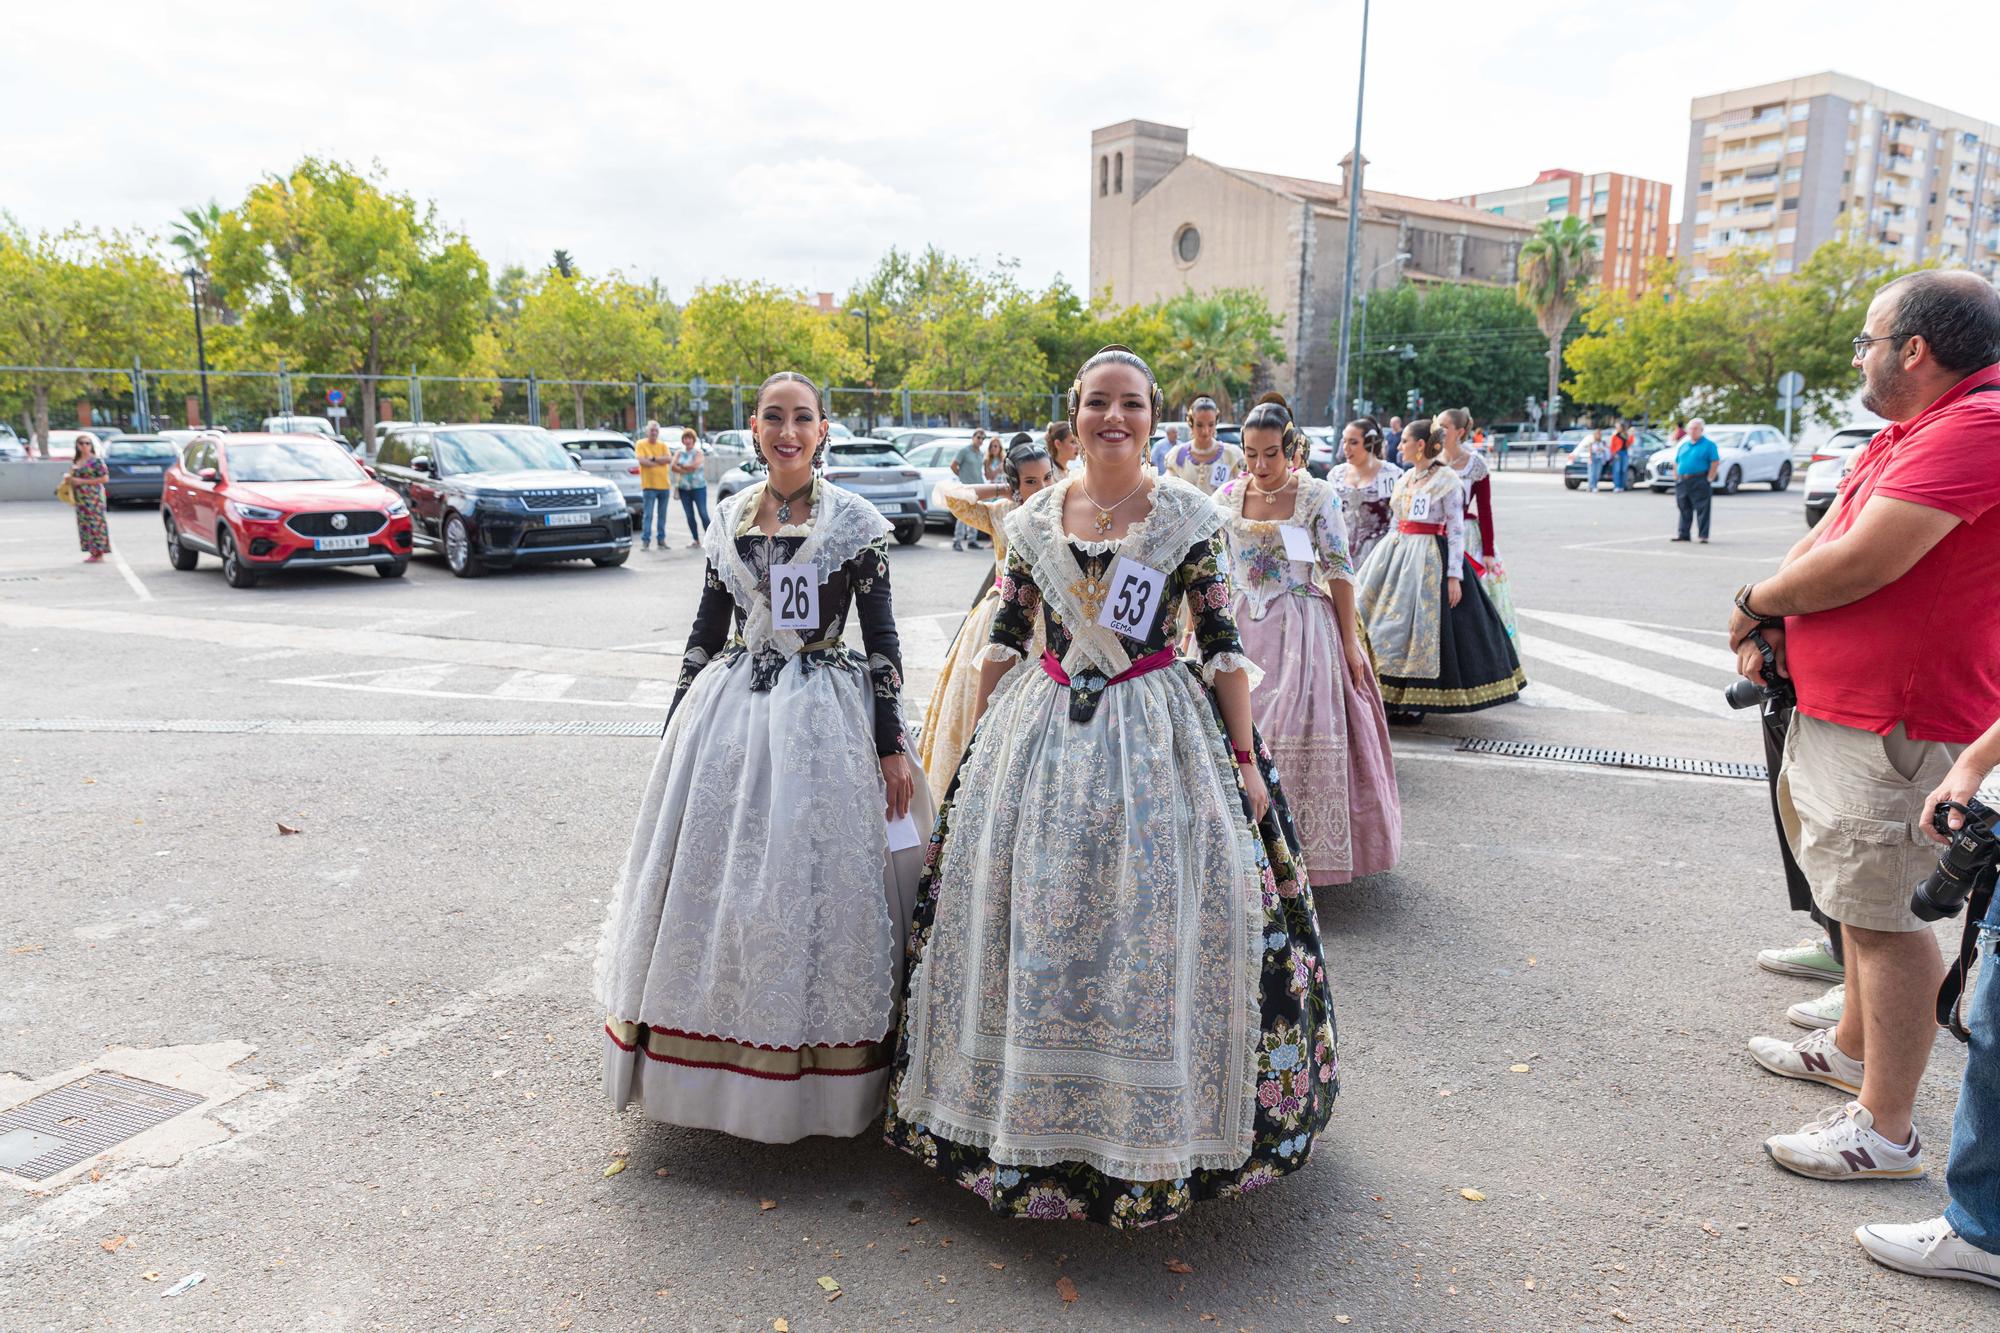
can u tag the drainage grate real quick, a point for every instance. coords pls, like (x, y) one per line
(331, 727)
(1576, 754)
(20, 578)
(51, 1133)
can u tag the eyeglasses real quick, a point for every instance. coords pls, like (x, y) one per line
(1861, 340)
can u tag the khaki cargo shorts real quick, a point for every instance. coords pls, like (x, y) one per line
(1852, 804)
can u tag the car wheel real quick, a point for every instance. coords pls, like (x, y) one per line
(909, 533)
(395, 569)
(612, 561)
(458, 554)
(1572, 483)
(1732, 481)
(179, 556)
(1783, 479)
(235, 572)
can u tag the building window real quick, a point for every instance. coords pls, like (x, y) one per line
(1801, 111)
(1118, 174)
(1103, 176)
(1784, 266)
(1187, 245)
(1792, 174)
(1796, 144)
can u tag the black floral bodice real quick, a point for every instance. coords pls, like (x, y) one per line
(1200, 581)
(862, 582)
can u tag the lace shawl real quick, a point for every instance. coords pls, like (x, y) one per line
(842, 525)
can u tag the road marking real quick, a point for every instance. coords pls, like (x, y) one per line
(655, 646)
(1646, 640)
(924, 643)
(363, 687)
(654, 693)
(417, 678)
(138, 589)
(1689, 694)
(1541, 694)
(534, 685)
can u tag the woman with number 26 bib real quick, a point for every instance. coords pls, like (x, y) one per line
(1117, 1005)
(751, 958)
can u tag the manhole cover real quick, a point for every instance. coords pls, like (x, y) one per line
(49, 1134)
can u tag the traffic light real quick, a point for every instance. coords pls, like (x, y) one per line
(1413, 403)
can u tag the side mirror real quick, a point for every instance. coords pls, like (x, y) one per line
(208, 474)
(370, 471)
(421, 463)
(576, 463)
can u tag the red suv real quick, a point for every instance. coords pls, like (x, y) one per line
(262, 503)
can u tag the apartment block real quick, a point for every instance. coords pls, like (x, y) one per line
(1631, 216)
(1786, 166)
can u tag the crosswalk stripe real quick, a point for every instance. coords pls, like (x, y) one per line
(1541, 694)
(534, 685)
(426, 677)
(655, 692)
(1610, 670)
(1631, 636)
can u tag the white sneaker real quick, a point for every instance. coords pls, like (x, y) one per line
(1813, 1057)
(1843, 1145)
(1807, 958)
(1928, 1249)
(1821, 1013)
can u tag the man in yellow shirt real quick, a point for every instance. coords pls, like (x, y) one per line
(656, 486)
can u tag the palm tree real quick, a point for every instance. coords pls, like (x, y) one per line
(563, 264)
(1555, 266)
(1214, 349)
(194, 236)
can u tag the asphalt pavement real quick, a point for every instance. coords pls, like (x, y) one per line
(389, 1010)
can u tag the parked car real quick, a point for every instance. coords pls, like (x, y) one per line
(1749, 453)
(869, 468)
(730, 449)
(137, 465)
(382, 429)
(608, 454)
(180, 438)
(1322, 450)
(1829, 466)
(302, 425)
(491, 497)
(263, 503)
(1576, 466)
(1227, 431)
(11, 448)
(933, 461)
(62, 443)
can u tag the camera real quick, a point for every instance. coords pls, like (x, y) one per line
(1774, 689)
(1972, 858)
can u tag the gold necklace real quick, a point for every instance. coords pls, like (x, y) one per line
(1291, 479)
(1102, 523)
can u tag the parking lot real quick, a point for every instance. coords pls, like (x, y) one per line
(335, 848)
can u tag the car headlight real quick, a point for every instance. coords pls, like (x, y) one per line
(254, 513)
(397, 509)
(612, 496)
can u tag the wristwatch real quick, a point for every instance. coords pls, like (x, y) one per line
(1743, 605)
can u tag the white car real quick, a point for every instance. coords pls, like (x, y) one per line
(11, 448)
(932, 453)
(301, 425)
(1750, 453)
(1829, 467)
(729, 450)
(611, 456)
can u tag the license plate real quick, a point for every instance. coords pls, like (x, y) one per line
(568, 519)
(144, 471)
(340, 543)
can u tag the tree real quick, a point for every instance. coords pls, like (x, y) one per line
(340, 274)
(1555, 266)
(563, 264)
(1475, 347)
(588, 330)
(739, 332)
(1217, 342)
(193, 240)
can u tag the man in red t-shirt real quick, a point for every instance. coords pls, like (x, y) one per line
(1882, 620)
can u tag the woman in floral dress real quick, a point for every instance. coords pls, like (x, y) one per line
(87, 476)
(1364, 482)
(1317, 707)
(953, 708)
(751, 958)
(1117, 1005)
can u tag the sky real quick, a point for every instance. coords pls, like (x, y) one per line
(795, 143)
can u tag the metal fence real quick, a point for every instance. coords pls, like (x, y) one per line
(142, 399)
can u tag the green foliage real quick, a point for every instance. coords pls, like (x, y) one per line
(1718, 348)
(1216, 343)
(1476, 347)
(573, 328)
(739, 332)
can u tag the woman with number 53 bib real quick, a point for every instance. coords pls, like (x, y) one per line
(751, 960)
(1117, 1005)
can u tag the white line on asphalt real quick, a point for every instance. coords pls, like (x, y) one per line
(323, 683)
(138, 588)
(274, 655)
(418, 678)
(654, 693)
(1541, 694)
(924, 643)
(654, 646)
(534, 685)
(1623, 632)
(66, 1213)
(1688, 693)
(1613, 544)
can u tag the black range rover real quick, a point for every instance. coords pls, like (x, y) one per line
(493, 496)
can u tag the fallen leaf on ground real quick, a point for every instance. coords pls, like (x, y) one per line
(1179, 1266)
(766, 1205)
(995, 1267)
(1342, 1319)
(914, 1222)
(284, 829)
(110, 1244)
(150, 1275)
(95, 1175)
(1709, 1227)
(1531, 962)
(1528, 1283)
(1067, 1290)
(25, 948)
(1789, 1280)
(1518, 1069)
(1472, 1196)
(1620, 1315)
(780, 1326)
(615, 1167)
(661, 1173)
(830, 1287)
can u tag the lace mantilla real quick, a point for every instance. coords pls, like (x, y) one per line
(843, 524)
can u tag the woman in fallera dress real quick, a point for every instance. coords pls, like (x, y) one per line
(750, 965)
(1454, 427)
(954, 704)
(1117, 1005)
(1317, 707)
(1364, 480)
(1438, 644)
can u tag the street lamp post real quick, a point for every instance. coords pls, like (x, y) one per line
(868, 354)
(193, 275)
(1353, 222)
(1361, 331)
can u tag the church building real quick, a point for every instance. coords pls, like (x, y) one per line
(1163, 221)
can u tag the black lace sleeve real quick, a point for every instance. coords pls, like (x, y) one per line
(1020, 603)
(868, 576)
(1204, 573)
(713, 620)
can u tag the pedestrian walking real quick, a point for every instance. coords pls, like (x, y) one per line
(954, 704)
(1170, 439)
(1204, 462)
(1621, 457)
(1696, 461)
(690, 467)
(656, 486)
(1964, 1243)
(85, 482)
(969, 466)
(751, 956)
(1598, 455)
(1117, 1004)
(1317, 706)
(1482, 552)
(1364, 481)
(1439, 645)
(1857, 615)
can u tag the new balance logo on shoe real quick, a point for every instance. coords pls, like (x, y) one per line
(1857, 1159)
(1813, 1060)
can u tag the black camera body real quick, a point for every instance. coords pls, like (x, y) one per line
(1774, 689)
(1972, 857)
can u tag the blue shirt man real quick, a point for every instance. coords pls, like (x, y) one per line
(1697, 456)
(1695, 465)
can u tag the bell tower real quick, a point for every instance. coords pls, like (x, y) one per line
(1126, 160)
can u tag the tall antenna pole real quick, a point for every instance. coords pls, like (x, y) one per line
(1340, 404)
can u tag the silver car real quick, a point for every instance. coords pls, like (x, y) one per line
(1829, 466)
(607, 454)
(869, 468)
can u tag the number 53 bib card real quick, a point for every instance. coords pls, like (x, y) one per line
(1133, 599)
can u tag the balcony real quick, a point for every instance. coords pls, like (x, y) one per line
(1763, 121)
(1909, 136)
(1768, 152)
(1747, 187)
